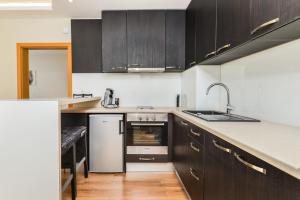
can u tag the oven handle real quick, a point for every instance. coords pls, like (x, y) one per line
(147, 124)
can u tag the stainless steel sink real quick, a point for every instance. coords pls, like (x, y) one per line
(215, 116)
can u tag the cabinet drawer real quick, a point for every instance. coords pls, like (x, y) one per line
(196, 155)
(146, 158)
(217, 146)
(195, 184)
(197, 134)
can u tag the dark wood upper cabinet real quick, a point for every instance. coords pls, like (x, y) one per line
(175, 40)
(86, 46)
(265, 16)
(146, 39)
(205, 29)
(289, 10)
(114, 41)
(233, 22)
(190, 48)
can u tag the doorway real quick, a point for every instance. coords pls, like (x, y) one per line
(26, 76)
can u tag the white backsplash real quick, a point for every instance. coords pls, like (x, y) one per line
(194, 83)
(266, 85)
(157, 90)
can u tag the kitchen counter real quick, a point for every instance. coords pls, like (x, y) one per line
(276, 144)
(71, 101)
(118, 110)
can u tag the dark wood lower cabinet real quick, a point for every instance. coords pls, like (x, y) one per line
(257, 180)
(219, 172)
(213, 169)
(188, 159)
(180, 150)
(195, 184)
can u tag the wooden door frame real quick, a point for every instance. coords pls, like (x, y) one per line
(23, 64)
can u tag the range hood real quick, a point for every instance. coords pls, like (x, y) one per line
(145, 70)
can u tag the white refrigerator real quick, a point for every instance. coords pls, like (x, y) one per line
(106, 143)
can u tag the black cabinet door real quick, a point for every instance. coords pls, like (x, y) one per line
(86, 46)
(175, 40)
(233, 22)
(114, 41)
(265, 16)
(180, 150)
(219, 183)
(205, 29)
(195, 186)
(190, 48)
(250, 184)
(258, 180)
(290, 10)
(146, 39)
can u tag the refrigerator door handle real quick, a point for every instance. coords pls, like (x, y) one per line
(121, 127)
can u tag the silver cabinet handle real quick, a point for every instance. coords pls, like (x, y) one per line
(171, 67)
(118, 68)
(222, 148)
(256, 168)
(146, 159)
(183, 123)
(147, 124)
(194, 148)
(269, 23)
(195, 133)
(192, 63)
(134, 65)
(223, 48)
(210, 54)
(194, 175)
(121, 127)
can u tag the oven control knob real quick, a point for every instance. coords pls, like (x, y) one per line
(140, 118)
(147, 118)
(154, 118)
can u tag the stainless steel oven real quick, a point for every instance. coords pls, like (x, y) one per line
(147, 137)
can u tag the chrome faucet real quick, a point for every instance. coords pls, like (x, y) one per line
(229, 106)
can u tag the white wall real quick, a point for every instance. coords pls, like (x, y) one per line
(51, 69)
(132, 89)
(30, 150)
(266, 85)
(194, 83)
(24, 30)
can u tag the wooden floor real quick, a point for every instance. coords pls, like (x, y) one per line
(130, 186)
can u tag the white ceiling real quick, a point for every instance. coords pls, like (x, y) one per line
(93, 8)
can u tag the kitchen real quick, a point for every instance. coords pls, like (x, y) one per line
(217, 119)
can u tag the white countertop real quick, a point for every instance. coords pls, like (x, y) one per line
(277, 144)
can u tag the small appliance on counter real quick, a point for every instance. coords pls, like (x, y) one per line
(108, 101)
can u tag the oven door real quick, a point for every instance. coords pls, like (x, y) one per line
(147, 134)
